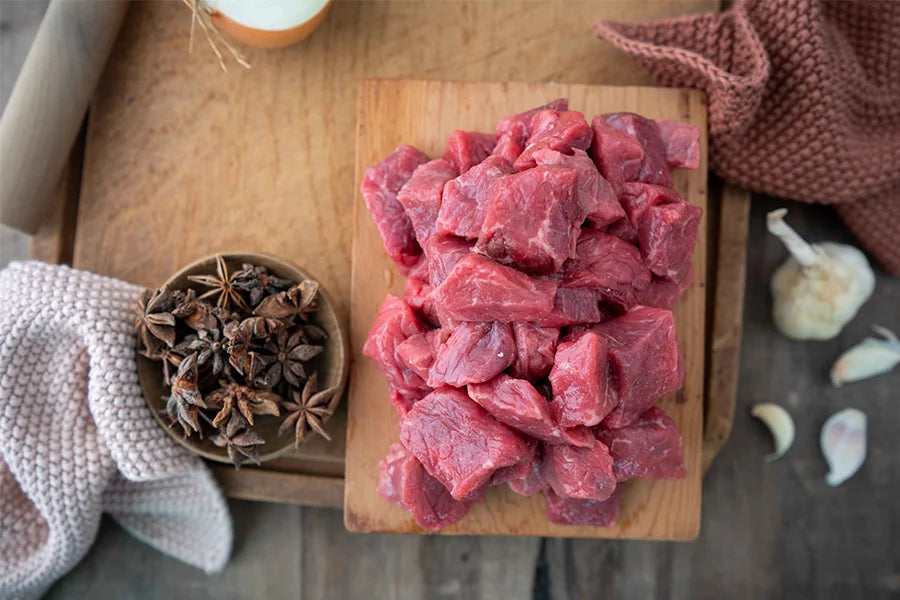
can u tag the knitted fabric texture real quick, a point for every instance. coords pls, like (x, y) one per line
(804, 101)
(77, 439)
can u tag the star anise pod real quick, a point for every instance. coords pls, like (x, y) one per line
(209, 346)
(287, 355)
(196, 313)
(155, 325)
(222, 284)
(170, 357)
(257, 281)
(242, 346)
(308, 411)
(246, 400)
(239, 441)
(297, 301)
(262, 327)
(185, 398)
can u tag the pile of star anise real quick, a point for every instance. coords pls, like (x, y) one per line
(238, 351)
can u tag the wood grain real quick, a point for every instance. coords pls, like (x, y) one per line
(423, 114)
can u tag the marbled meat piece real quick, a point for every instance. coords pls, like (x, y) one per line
(654, 168)
(535, 348)
(667, 236)
(458, 442)
(443, 252)
(417, 294)
(478, 289)
(403, 401)
(518, 127)
(521, 469)
(643, 361)
(682, 142)
(516, 403)
(394, 323)
(508, 147)
(465, 198)
(608, 266)
(573, 306)
(573, 511)
(664, 293)
(418, 352)
(532, 219)
(618, 155)
(584, 473)
(597, 198)
(465, 149)
(379, 188)
(474, 352)
(555, 130)
(533, 482)
(580, 379)
(649, 448)
(421, 196)
(636, 199)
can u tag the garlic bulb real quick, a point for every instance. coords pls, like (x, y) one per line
(820, 287)
(843, 442)
(780, 424)
(868, 358)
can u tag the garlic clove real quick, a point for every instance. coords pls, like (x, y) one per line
(780, 424)
(868, 358)
(843, 442)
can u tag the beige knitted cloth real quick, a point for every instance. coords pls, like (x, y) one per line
(77, 440)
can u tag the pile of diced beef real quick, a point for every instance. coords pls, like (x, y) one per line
(535, 335)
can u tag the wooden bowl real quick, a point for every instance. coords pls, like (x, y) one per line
(331, 364)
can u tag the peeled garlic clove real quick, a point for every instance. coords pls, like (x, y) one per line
(780, 423)
(870, 357)
(843, 442)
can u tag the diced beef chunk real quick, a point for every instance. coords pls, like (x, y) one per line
(596, 197)
(417, 294)
(521, 469)
(394, 323)
(533, 481)
(465, 149)
(580, 436)
(518, 127)
(417, 352)
(403, 401)
(379, 188)
(636, 199)
(664, 293)
(458, 442)
(573, 511)
(649, 448)
(654, 168)
(405, 483)
(465, 198)
(516, 403)
(572, 306)
(421, 196)
(535, 348)
(618, 155)
(667, 236)
(508, 147)
(682, 142)
(643, 360)
(478, 289)
(610, 267)
(555, 130)
(474, 352)
(531, 221)
(584, 473)
(580, 380)
(444, 251)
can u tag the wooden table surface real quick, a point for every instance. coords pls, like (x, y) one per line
(769, 530)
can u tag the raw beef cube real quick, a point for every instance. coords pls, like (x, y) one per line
(417, 293)
(403, 401)
(572, 306)
(667, 235)
(521, 469)
(581, 391)
(508, 148)
(610, 267)
(516, 403)
(531, 221)
(580, 436)
(458, 442)
(596, 196)
(643, 360)
(417, 352)
(478, 289)
(654, 168)
(443, 252)
(420, 269)
(518, 127)
(664, 293)
(421, 196)
(474, 352)
(535, 348)
(465, 149)
(649, 448)
(394, 323)
(618, 155)
(636, 199)
(465, 198)
(682, 142)
(533, 482)
(572, 511)
(584, 473)
(554, 130)
(390, 473)
(379, 188)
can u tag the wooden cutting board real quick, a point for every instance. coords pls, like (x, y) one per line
(424, 113)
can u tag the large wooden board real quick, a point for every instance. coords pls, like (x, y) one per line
(423, 114)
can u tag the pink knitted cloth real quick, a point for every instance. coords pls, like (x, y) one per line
(77, 440)
(804, 101)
